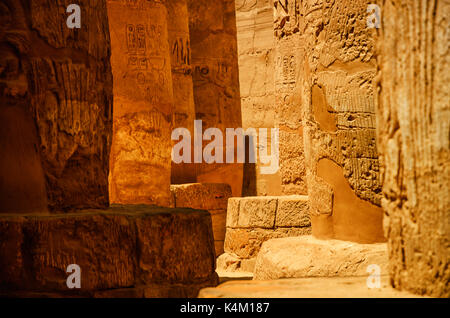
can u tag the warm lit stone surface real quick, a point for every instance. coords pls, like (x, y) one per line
(183, 90)
(253, 220)
(288, 50)
(206, 196)
(140, 159)
(319, 287)
(413, 128)
(337, 70)
(268, 212)
(306, 256)
(254, 20)
(122, 247)
(231, 264)
(212, 27)
(56, 106)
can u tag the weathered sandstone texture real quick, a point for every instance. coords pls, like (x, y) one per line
(183, 89)
(210, 197)
(338, 104)
(253, 220)
(288, 51)
(126, 250)
(55, 107)
(140, 159)
(254, 20)
(212, 27)
(306, 256)
(413, 137)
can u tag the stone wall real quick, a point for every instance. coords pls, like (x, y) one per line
(335, 84)
(253, 220)
(212, 27)
(55, 107)
(413, 127)
(143, 103)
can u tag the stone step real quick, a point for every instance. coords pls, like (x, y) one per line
(306, 256)
(135, 249)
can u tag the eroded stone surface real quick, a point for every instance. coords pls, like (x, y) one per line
(183, 91)
(293, 211)
(253, 220)
(123, 247)
(56, 100)
(254, 20)
(143, 103)
(296, 257)
(413, 128)
(206, 196)
(212, 27)
(335, 87)
(246, 243)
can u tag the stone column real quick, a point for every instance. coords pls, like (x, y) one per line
(212, 25)
(55, 106)
(254, 21)
(143, 103)
(183, 91)
(289, 49)
(413, 127)
(338, 101)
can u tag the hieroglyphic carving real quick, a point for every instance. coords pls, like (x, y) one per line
(143, 102)
(286, 17)
(212, 71)
(181, 55)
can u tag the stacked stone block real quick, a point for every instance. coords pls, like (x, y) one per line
(254, 220)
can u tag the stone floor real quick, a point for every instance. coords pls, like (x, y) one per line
(313, 287)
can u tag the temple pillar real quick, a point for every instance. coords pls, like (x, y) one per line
(143, 103)
(338, 67)
(183, 91)
(413, 138)
(212, 26)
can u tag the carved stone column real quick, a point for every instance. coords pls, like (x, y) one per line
(338, 101)
(55, 106)
(183, 90)
(212, 26)
(414, 126)
(143, 103)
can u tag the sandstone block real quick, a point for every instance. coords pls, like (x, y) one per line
(229, 262)
(257, 212)
(246, 243)
(233, 212)
(205, 196)
(122, 247)
(293, 211)
(306, 256)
